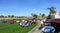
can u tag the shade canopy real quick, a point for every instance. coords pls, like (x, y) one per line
(56, 20)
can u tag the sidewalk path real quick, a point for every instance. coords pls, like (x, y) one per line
(35, 29)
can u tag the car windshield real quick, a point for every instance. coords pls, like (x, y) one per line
(23, 22)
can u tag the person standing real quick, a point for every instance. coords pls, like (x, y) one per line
(42, 24)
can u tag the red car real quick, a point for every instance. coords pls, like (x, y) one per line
(56, 24)
(11, 21)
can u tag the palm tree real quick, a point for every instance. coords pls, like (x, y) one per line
(9, 16)
(34, 15)
(40, 14)
(49, 17)
(52, 10)
(12, 15)
(43, 15)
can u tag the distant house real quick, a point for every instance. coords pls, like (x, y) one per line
(56, 15)
(55, 18)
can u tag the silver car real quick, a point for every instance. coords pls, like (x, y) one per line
(25, 23)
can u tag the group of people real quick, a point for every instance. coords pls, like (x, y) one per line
(46, 26)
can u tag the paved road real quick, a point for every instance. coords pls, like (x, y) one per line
(35, 29)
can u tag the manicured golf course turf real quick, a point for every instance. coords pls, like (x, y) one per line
(15, 28)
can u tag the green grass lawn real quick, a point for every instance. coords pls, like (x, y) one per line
(15, 28)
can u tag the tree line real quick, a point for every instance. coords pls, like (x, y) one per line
(51, 11)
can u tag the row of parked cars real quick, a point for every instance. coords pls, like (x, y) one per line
(21, 22)
(10, 21)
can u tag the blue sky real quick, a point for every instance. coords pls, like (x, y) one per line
(26, 7)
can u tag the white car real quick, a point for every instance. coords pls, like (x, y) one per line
(25, 23)
(18, 21)
(22, 23)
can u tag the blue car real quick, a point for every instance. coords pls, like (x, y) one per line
(3, 21)
(48, 29)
